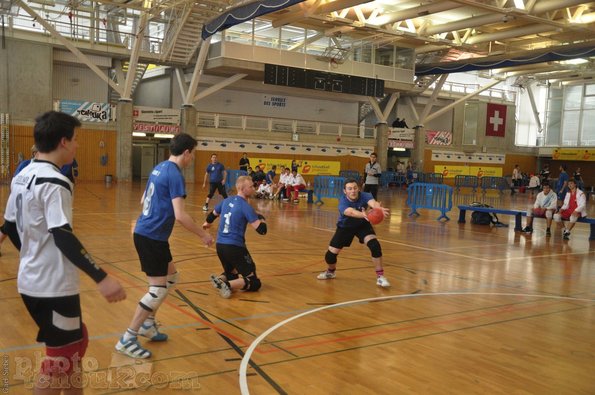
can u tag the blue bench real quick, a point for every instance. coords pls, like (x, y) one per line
(518, 214)
(310, 193)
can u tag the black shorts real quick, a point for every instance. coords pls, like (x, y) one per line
(59, 319)
(154, 255)
(217, 186)
(235, 257)
(344, 236)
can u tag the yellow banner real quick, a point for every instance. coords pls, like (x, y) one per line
(574, 154)
(306, 167)
(449, 171)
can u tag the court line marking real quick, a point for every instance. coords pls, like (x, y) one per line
(247, 355)
(420, 248)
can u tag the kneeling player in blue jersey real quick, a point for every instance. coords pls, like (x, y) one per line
(353, 221)
(236, 213)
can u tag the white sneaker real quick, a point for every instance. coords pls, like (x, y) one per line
(326, 275)
(205, 208)
(382, 281)
(222, 286)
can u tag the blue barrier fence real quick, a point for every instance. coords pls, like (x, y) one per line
(497, 183)
(328, 187)
(391, 177)
(430, 196)
(350, 174)
(232, 177)
(466, 182)
(431, 178)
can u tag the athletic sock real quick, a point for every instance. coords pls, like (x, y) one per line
(380, 272)
(129, 334)
(149, 322)
(331, 270)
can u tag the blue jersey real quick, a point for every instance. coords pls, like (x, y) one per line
(165, 183)
(344, 204)
(215, 172)
(563, 177)
(21, 166)
(235, 214)
(271, 176)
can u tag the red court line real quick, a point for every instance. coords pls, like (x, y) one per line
(505, 309)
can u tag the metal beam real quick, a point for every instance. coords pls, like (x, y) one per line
(218, 86)
(534, 107)
(414, 12)
(198, 67)
(433, 98)
(181, 82)
(80, 56)
(305, 42)
(138, 40)
(409, 102)
(376, 108)
(390, 105)
(461, 100)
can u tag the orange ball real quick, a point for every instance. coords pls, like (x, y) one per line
(375, 216)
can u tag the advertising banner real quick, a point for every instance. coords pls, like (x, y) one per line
(307, 167)
(86, 111)
(155, 128)
(449, 171)
(574, 154)
(156, 115)
(438, 137)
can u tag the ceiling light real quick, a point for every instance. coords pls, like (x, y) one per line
(398, 149)
(163, 136)
(139, 134)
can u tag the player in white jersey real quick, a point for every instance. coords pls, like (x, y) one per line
(545, 205)
(38, 220)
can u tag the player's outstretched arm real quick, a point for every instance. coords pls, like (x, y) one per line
(187, 222)
(375, 204)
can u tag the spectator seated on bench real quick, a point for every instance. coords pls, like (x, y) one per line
(574, 207)
(545, 205)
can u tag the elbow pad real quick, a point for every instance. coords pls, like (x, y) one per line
(262, 229)
(211, 217)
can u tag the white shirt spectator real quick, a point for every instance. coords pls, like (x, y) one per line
(581, 201)
(548, 201)
(283, 178)
(264, 189)
(534, 182)
(296, 180)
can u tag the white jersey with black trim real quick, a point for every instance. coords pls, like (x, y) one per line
(41, 199)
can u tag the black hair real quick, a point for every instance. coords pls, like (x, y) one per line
(546, 184)
(51, 127)
(563, 166)
(182, 142)
(349, 181)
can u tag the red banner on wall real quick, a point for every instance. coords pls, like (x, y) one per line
(496, 120)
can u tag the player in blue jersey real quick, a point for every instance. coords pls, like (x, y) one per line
(353, 221)
(216, 174)
(238, 266)
(163, 205)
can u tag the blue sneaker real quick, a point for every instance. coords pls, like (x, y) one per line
(152, 333)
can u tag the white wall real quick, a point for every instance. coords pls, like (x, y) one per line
(74, 82)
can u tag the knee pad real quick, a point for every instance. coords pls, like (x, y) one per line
(153, 299)
(549, 214)
(251, 284)
(375, 248)
(573, 218)
(330, 258)
(557, 217)
(172, 279)
(65, 359)
(530, 213)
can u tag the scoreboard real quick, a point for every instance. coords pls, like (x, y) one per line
(322, 81)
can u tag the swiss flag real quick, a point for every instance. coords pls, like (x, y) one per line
(496, 120)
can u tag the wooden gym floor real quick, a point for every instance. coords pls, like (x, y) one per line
(471, 310)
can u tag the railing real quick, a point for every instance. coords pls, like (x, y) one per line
(282, 125)
(232, 177)
(347, 174)
(391, 177)
(430, 196)
(466, 182)
(497, 183)
(328, 187)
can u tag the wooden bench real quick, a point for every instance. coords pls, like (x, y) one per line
(518, 214)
